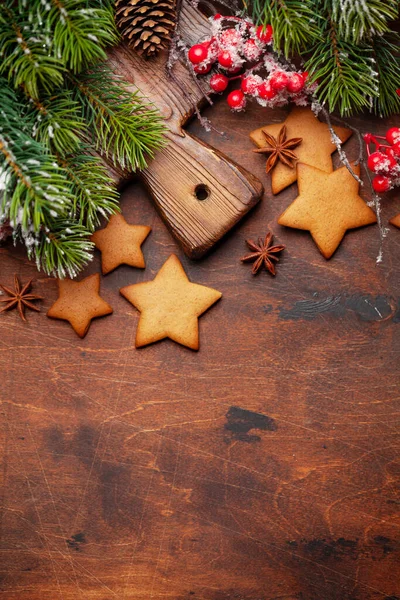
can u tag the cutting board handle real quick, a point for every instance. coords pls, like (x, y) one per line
(200, 193)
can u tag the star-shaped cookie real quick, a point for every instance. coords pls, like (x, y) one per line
(120, 243)
(170, 306)
(79, 302)
(315, 149)
(395, 221)
(327, 205)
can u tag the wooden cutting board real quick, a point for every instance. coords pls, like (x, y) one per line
(200, 193)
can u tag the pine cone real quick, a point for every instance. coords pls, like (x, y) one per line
(147, 25)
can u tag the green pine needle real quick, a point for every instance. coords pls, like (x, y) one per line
(64, 251)
(293, 22)
(80, 32)
(359, 19)
(36, 188)
(57, 122)
(24, 58)
(342, 84)
(387, 64)
(93, 190)
(122, 124)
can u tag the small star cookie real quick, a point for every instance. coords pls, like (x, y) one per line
(315, 149)
(170, 306)
(120, 243)
(79, 302)
(327, 205)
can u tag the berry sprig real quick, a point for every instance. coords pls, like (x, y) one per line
(237, 50)
(385, 160)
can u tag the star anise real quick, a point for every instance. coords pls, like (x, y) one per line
(263, 253)
(19, 298)
(279, 149)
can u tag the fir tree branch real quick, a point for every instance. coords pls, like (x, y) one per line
(344, 82)
(64, 250)
(80, 33)
(93, 189)
(123, 126)
(387, 65)
(57, 122)
(360, 19)
(36, 188)
(293, 22)
(24, 58)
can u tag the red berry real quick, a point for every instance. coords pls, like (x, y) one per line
(265, 91)
(217, 17)
(234, 70)
(398, 91)
(251, 51)
(219, 82)
(225, 59)
(213, 49)
(378, 162)
(368, 138)
(249, 84)
(264, 34)
(295, 83)
(236, 100)
(202, 69)
(229, 37)
(392, 164)
(279, 80)
(197, 53)
(393, 135)
(381, 183)
(396, 148)
(305, 75)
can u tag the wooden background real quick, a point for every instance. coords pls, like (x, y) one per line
(263, 467)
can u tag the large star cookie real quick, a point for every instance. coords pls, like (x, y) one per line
(120, 243)
(79, 302)
(395, 221)
(327, 205)
(170, 306)
(315, 149)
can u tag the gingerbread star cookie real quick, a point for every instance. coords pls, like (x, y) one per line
(315, 149)
(327, 205)
(395, 221)
(79, 302)
(120, 243)
(170, 306)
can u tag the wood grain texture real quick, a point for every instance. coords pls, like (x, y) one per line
(264, 467)
(185, 166)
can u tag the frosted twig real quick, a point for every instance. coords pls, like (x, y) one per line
(316, 107)
(375, 199)
(173, 53)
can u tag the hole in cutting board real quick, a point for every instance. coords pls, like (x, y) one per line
(201, 191)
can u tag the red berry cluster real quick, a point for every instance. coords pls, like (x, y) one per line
(385, 160)
(238, 50)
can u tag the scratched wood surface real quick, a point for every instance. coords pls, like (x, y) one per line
(264, 467)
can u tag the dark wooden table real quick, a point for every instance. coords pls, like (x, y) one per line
(263, 467)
